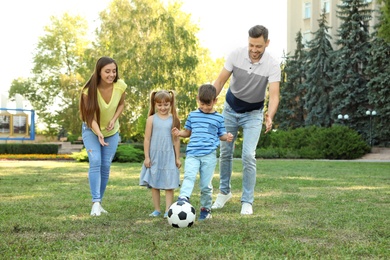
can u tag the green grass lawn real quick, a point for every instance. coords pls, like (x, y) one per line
(303, 210)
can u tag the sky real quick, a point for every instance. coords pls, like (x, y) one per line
(223, 24)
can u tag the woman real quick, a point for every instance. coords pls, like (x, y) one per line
(102, 102)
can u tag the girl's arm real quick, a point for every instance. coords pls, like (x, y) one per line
(182, 133)
(148, 135)
(118, 112)
(176, 145)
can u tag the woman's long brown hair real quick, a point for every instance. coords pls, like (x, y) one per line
(164, 96)
(91, 108)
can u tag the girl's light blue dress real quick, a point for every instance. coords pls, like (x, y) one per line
(163, 174)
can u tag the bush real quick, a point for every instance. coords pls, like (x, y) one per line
(128, 153)
(81, 156)
(337, 142)
(28, 148)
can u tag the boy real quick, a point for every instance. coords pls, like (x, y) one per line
(206, 128)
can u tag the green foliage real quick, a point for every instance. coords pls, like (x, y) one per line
(124, 153)
(319, 77)
(128, 153)
(337, 142)
(81, 156)
(28, 149)
(350, 94)
(384, 29)
(156, 48)
(378, 70)
(291, 108)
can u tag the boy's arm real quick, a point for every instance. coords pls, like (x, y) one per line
(182, 133)
(226, 137)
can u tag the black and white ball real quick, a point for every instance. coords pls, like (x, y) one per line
(181, 214)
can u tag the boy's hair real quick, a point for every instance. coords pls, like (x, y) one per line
(207, 93)
(257, 31)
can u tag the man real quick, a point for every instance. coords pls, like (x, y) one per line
(252, 69)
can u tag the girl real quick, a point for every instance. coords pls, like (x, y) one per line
(101, 103)
(160, 170)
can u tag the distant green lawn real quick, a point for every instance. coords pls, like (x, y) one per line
(303, 210)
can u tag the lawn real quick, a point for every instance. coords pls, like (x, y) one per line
(303, 210)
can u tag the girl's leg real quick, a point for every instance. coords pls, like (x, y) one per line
(168, 199)
(156, 199)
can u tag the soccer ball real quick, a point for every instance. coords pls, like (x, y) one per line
(181, 214)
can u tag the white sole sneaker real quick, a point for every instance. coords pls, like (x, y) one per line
(246, 209)
(103, 210)
(95, 211)
(221, 200)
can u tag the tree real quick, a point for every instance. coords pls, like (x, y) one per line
(384, 29)
(319, 77)
(59, 70)
(378, 70)
(156, 48)
(291, 109)
(350, 94)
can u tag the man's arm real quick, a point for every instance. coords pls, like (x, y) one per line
(221, 80)
(273, 103)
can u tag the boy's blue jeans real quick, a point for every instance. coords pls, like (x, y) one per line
(205, 165)
(100, 158)
(251, 123)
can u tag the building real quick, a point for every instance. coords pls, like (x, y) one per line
(304, 15)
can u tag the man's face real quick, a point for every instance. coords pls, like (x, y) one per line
(256, 48)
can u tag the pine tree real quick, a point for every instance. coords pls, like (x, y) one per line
(319, 77)
(378, 70)
(291, 109)
(350, 94)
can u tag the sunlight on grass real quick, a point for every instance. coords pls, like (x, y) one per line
(307, 178)
(360, 188)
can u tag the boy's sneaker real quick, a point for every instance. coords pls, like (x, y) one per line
(204, 214)
(166, 214)
(95, 211)
(183, 199)
(221, 200)
(246, 209)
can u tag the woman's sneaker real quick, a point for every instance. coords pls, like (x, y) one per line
(221, 200)
(204, 214)
(103, 210)
(95, 211)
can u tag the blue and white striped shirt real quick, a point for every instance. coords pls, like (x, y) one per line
(205, 132)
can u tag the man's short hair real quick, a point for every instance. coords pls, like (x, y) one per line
(257, 31)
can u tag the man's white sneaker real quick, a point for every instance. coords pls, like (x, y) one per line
(221, 200)
(96, 209)
(246, 209)
(103, 210)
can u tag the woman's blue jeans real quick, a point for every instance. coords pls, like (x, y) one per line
(100, 158)
(251, 123)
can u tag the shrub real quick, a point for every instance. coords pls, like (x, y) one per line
(28, 148)
(128, 153)
(81, 156)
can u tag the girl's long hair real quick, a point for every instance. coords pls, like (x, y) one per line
(91, 108)
(164, 96)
